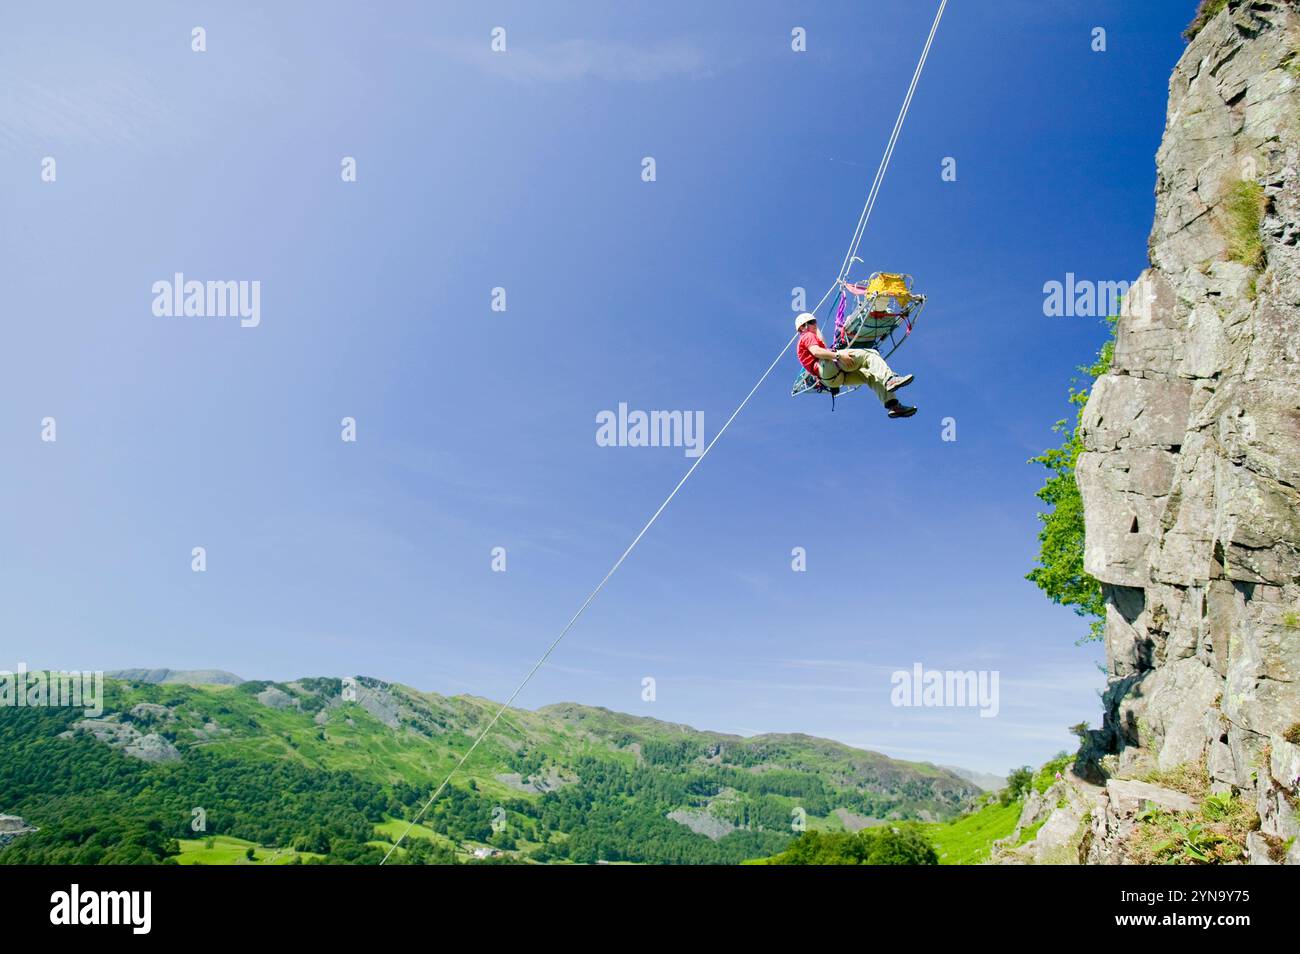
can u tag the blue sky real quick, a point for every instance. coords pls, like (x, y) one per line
(476, 429)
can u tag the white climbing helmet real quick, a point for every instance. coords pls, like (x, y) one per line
(803, 319)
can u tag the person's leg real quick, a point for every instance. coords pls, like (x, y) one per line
(864, 366)
(863, 378)
(831, 375)
(875, 373)
(869, 360)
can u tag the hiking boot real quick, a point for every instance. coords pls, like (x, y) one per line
(898, 381)
(899, 410)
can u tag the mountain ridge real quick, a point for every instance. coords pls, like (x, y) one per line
(201, 677)
(563, 783)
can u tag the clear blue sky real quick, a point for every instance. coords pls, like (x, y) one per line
(476, 429)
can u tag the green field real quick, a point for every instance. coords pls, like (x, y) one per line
(969, 840)
(224, 850)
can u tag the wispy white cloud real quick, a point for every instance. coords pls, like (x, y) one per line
(62, 97)
(834, 665)
(622, 654)
(578, 59)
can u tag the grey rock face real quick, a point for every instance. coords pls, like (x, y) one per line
(550, 782)
(702, 822)
(11, 827)
(151, 711)
(1062, 815)
(1191, 463)
(1115, 816)
(152, 748)
(277, 698)
(378, 700)
(124, 736)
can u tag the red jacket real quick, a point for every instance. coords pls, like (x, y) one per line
(806, 358)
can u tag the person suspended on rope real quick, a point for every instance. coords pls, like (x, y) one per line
(836, 369)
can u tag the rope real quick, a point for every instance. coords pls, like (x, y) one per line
(601, 585)
(893, 141)
(853, 247)
(865, 217)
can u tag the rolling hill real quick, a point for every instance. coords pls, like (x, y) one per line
(328, 770)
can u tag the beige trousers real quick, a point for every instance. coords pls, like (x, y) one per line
(858, 366)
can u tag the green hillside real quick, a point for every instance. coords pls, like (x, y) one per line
(969, 840)
(966, 840)
(313, 771)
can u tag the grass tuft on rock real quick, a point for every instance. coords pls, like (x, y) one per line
(1244, 207)
(1190, 778)
(1215, 833)
(1206, 12)
(1292, 63)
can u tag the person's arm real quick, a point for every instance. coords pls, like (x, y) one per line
(823, 353)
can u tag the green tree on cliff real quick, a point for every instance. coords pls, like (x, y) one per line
(1060, 572)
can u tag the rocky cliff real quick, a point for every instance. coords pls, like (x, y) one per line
(1192, 442)
(1191, 465)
